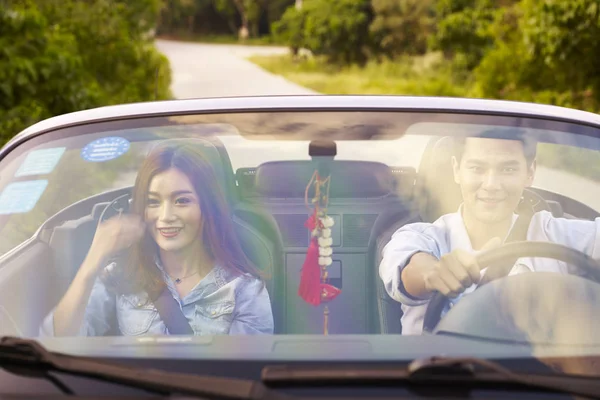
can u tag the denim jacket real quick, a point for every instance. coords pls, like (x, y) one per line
(220, 303)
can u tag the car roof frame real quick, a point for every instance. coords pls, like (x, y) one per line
(299, 103)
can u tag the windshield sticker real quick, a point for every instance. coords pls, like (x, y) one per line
(21, 197)
(40, 162)
(105, 149)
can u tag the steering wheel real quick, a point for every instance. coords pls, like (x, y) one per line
(535, 201)
(118, 206)
(510, 252)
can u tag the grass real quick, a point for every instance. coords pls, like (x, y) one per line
(579, 161)
(219, 39)
(418, 76)
(409, 76)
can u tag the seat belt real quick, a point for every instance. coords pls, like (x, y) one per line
(518, 233)
(168, 308)
(171, 314)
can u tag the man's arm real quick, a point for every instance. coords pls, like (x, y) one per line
(417, 262)
(412, 239)
(580, 235)
(413, 275)
(450, 275)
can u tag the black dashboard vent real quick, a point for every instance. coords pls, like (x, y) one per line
(357, 229)
(293, 231)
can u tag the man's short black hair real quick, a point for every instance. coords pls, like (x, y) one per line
(529, 143)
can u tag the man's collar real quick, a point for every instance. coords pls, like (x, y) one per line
(462, 235)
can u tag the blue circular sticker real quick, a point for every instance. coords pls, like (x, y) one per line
(105, 149)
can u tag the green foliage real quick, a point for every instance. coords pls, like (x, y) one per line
(565, 35)
(402, 26)
(290, 28)
(339, 30)
(250, 12)
(179, 14)
(113, 43)
(276, 8)
(41, 71)
(462, 29)
(525, 65)
(200, 18)
(422, 75)
(62, 56)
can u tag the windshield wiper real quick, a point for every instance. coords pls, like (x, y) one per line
(27, 357)
(463, 374)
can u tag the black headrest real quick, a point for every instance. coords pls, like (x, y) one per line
(435, 189)
(349, 179)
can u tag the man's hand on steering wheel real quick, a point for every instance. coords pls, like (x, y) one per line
(497, 258)
(456, 271)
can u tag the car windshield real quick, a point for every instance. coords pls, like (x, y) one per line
(289, 223)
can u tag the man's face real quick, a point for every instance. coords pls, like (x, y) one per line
(492, 174)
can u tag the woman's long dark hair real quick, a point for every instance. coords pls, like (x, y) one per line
(218, 234)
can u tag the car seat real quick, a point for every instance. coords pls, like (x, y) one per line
(435, 194)
(363, 201)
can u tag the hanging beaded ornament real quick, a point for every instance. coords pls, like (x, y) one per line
(314, 287)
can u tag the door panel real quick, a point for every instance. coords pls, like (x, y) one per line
(27, 292)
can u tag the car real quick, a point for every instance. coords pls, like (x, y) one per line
(366, 167)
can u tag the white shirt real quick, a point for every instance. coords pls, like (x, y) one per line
(448, 233)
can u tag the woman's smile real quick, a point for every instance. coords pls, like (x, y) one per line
(169, 232)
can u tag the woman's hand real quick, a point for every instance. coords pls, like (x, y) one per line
(114, 235)
(111, 236)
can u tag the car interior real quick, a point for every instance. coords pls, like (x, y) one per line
(369, 201)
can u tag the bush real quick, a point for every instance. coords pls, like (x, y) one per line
(402, 26)
(463, 28)
(565, 36)
(41, 72)
(525, 65)
(290, 29)
(63, 56)
(338, 30)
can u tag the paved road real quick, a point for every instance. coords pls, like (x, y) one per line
(212, 70)
(574, 186)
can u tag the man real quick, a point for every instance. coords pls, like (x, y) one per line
(492, 171)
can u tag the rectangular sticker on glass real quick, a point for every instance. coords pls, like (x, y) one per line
(40, 162)
(21, 197)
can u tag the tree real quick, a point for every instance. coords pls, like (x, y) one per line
(250, 12)
(41, 72)
(276, 9)
(463, 28)
(176, 14)
(566, 37)
(402, 26)
(339, 30)
(59, 56)
(290, 29)
(546, 52)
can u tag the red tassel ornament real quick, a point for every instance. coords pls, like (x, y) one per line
(314, 287)
(310, 278)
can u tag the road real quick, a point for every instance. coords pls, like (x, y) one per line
(214, 70)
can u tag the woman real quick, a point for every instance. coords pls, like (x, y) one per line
(179, 238)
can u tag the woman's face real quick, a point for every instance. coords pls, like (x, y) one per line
(173, 215)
